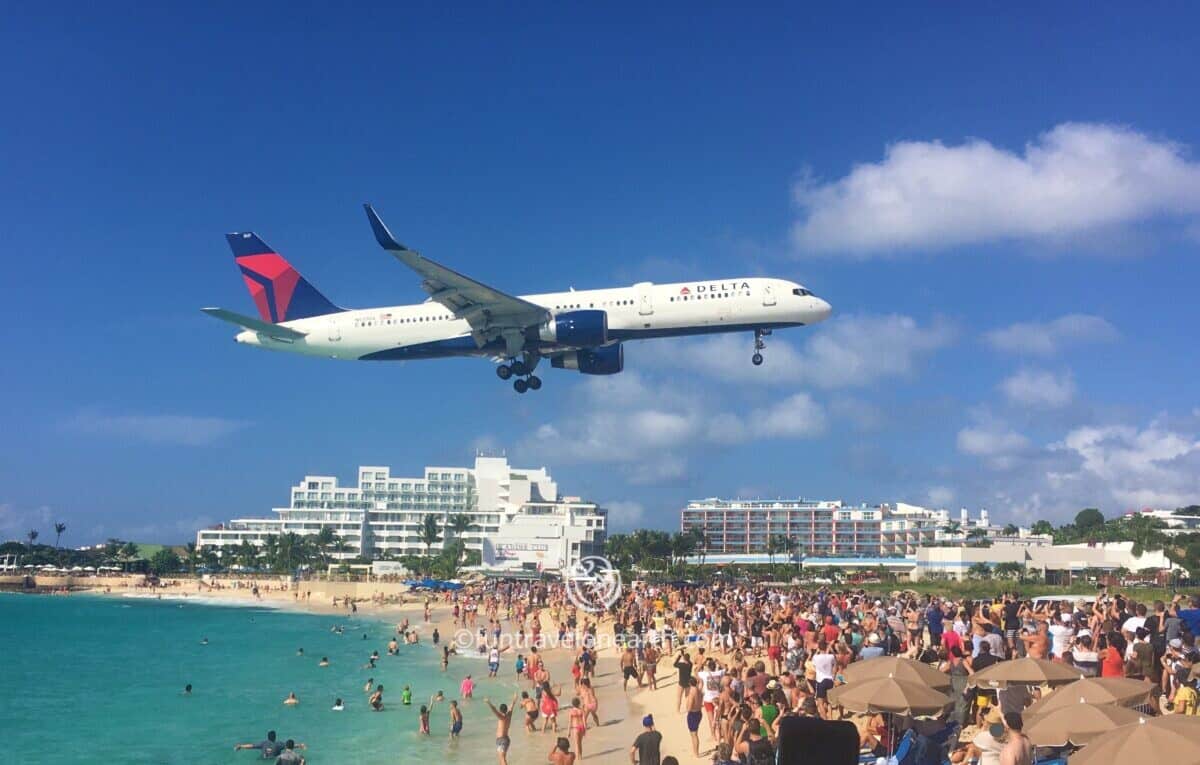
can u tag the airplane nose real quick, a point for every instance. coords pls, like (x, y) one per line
(821, 308)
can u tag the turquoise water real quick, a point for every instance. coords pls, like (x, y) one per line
(100, 680)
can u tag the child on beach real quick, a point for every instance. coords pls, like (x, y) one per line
(467, 688)
(423, 721)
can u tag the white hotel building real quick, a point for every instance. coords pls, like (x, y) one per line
(518, 510)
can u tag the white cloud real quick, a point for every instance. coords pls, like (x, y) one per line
(624, 514)
(940, 496)
(1076, 179)
(1051, 337)
(176, 429)
(1115, 467)
(1039, 388)
(647, 430)
(1152, 467)
(993, 441)
(852, 351)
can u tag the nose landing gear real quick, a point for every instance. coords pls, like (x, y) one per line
(759, 345)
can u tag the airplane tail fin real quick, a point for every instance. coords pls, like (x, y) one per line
(278, 289)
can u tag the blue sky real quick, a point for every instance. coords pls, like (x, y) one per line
(1004, 212)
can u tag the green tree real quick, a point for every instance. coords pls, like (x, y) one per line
(1042, 527)
(1089, 520)
(682, 545)
(1011, 530)
(430, 532)
(247, 553)
(952, 527)
(1009, 570)
(617, 549)
(979, 571)
(129, 550)
(59, 528)
(192, 556)
(165, 561)
(323, 541)
(32, 535)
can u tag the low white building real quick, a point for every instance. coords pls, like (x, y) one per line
(1051, 561)
(383, 514)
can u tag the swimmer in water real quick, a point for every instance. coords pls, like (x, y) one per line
(187, 690)
(291, 700)
(324, 662)
(376, 700)
(338, 706)
(406, 696)
(467, 688)
(370, 684)
(299, 651)
(423, 721)
(456, 720)
(203, 641)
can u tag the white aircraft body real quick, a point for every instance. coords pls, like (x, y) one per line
(581, 330)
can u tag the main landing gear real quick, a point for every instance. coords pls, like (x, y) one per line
(523, 370)
(759, 345)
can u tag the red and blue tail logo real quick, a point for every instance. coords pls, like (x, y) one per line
(278, 289)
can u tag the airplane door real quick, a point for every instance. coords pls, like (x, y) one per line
(335, 332)
(645, 299)
(768, 295)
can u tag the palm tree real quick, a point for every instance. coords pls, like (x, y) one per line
(33, 535)
(59, 528)
(246, 554)
(1011, 530)
(323, 540)
(430, 533)
(457, 524)
(193, 557)
(682, 545)
(952, 527)
(772, 548)
(702, 543)
(129, 550)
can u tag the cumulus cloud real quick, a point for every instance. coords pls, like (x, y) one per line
(16, 521)
(1076, 179)
(1051, 337)
(856, 350)
(940, 496)
(173, 429)
(992, 440)
(1115, 467)
(1039, 388)
(646, 430)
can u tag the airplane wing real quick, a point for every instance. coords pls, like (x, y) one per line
(276, 331)
(490, 312)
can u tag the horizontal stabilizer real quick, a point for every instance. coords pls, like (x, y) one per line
(255, 325)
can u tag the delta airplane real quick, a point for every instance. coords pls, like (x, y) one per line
(581, 330)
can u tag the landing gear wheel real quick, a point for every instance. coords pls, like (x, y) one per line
(757, 359)
(520, 368)
(520, 386)
(504, 371)
(534, 382)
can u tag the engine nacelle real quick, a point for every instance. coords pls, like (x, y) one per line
(608, 360)
(581, 329)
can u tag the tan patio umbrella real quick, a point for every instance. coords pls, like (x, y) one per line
(1116, 691)
(1024, 672)
(1173, 739)
(889, 694)
(1076, 724)
(899, 668)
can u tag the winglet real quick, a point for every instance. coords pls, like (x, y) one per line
(382, 235)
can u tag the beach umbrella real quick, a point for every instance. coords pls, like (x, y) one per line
(898, 667)
(1076, 724)
(889, 694)
(1024, 672)
(1173, 739)
(896, 623)
(89, 568)
(1115, 691)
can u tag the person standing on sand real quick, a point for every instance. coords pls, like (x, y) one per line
(629, 668)
(693, 699)
(591, 704)
(503, 722)
(683, 663)
(646, 749)
(577, 723)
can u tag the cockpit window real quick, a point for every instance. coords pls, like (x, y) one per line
(801, 292)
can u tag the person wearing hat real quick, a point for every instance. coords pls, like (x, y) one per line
(646, 747)
(872, 649)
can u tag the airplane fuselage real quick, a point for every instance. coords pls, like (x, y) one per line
(642, 311)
